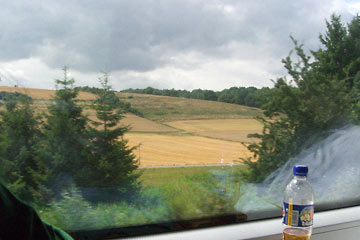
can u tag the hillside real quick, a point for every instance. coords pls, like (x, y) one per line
(174, 131)
(164, 109)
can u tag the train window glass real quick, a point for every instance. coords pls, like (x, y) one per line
(123, 114)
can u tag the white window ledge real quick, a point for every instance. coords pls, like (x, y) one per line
(330, 225)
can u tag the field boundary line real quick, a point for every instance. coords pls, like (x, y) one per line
(188, 166)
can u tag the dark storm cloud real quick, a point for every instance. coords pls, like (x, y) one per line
(143, 35)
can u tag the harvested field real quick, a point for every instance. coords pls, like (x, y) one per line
(227, 129)
(36, 93)
(166, 150)
(236, 135)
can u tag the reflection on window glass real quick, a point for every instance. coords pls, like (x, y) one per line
(166, 112)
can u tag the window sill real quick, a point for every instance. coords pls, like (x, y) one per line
(335, 224)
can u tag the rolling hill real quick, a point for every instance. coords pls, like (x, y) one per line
(174, 131)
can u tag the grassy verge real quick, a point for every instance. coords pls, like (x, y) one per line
(165, 176)
(167, 194)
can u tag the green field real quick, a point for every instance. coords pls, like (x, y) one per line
(168, 194)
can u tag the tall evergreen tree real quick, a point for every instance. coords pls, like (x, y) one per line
(112, 163)
(318, 97)
(21, 170)
(64, 144)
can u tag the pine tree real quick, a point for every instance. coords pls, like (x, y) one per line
(21, 170)
(64, 142)
(112, 163)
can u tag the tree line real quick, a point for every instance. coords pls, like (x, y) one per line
(42, 153)
(248, 96)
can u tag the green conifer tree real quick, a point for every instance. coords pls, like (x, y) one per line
(21, 170)
(112, 163)
(64, 142)
(321, 94)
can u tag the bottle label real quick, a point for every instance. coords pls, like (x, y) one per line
(298, 215)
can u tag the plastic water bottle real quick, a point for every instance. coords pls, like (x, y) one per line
(298, 211)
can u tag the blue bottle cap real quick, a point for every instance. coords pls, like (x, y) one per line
(301, 170)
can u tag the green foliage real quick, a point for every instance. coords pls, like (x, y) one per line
(111, 162)
(41, 156)
(15, 95)
(22, 172)
(321, 95)
(170, 195)
(196, 192)
(75, 213)
(63, 146)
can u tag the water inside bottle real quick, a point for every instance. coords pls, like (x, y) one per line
(295, 234)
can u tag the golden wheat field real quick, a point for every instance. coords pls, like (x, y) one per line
(168, 150)
(226, 129)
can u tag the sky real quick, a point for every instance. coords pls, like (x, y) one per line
(181, 44)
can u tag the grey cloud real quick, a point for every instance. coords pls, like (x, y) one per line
(143, 35)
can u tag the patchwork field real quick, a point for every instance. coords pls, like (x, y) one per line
(174, 131)
(172, 150)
